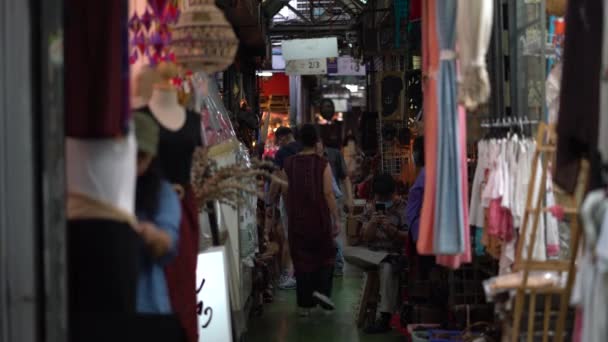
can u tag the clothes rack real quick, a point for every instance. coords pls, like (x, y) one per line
(507, 123)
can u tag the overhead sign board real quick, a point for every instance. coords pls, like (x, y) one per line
(348, 66)
(299, 49)
(316, 66)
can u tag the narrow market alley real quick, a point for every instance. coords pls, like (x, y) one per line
(304, 171)
(280, 323)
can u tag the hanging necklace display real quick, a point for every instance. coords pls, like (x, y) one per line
(203, 40)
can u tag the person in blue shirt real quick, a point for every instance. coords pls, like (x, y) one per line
(288, 146)
(416, 193)
(158, 212)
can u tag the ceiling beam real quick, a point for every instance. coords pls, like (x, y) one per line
(298, 13)
(310, 28)
(348, 10)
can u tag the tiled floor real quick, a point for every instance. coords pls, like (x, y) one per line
(280, 323)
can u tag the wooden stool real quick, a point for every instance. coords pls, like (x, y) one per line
(368, 303)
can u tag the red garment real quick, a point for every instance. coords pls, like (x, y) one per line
(415, 9)
(500, 221)
(181, 273)
(577, 334)
(364, 190)
(311, 240)
(430, 66)
(97, 69)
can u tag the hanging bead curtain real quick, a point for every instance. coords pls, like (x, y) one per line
(151, 33)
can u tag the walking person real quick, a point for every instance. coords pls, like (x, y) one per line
(314, 223)
(343, 194)
(352, 158)
(288, 147)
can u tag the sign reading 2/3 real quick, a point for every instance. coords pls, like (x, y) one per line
(316, 66)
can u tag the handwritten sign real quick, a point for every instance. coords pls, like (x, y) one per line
(213, 306)
(317, 66)
(348, 66)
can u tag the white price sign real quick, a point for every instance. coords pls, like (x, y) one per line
(213, 306)
(315, 66)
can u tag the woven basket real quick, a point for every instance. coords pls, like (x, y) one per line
(557, 7)
(203, 40)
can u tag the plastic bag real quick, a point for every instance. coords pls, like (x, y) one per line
(216, 124)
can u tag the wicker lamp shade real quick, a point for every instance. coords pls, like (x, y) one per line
(203, 40)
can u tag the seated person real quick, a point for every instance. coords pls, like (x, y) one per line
(384, 231)
(416, 193)
(421, 265)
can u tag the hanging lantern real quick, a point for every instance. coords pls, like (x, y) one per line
(203, 40)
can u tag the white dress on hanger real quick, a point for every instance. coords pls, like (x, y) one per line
(476, 212)
(507, 257)
(523, 169)
(494, 185)
(590, 290)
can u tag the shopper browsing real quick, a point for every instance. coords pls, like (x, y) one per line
(288, 147)
(339, 175)
(352, 157)
(313, 223)
(158, 211)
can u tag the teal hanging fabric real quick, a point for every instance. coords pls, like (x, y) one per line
(449, 210)
(401, 12)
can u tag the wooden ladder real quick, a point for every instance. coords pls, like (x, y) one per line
(545, 153)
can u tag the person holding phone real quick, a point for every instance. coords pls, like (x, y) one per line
(384, 228)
